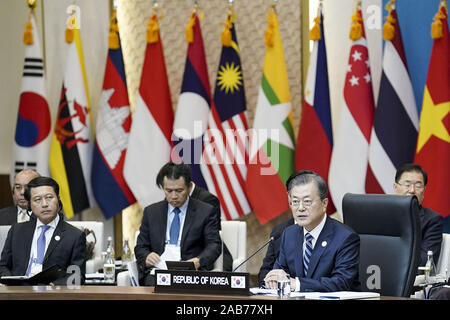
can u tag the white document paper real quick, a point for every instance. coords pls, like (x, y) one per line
(171, 253)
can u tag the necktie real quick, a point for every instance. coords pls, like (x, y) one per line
(41, 245)
(22, 216)
(175, 227)
(308, 252)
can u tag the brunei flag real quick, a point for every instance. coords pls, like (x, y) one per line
(271, 159)
(433, 143)
(71, 148)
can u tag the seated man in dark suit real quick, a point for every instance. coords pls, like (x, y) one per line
(318, 253)
(179, 223)
(411, 179)
(18, 212)
(273, 250)
(40, 243)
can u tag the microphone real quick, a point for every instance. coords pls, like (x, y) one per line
(259, 249)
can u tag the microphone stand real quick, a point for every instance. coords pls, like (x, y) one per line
(260, 248)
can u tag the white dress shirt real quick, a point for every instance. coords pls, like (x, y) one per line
(35, 267)
(171, 215)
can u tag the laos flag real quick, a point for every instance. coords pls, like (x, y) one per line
(112, 129)
(193, 110)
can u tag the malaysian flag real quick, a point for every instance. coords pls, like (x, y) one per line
(227, 152)
(395, 126)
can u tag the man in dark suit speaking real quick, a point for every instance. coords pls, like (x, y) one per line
(318, 253)
(178, 223)
(40, 243)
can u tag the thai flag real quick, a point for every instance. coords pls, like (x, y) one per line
(112, 130)
(394, 133)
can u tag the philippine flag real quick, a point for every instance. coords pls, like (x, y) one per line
(113, 126)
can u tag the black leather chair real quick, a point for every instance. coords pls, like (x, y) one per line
(389, 228)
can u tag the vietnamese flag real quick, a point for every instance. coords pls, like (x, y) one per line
(433, 144)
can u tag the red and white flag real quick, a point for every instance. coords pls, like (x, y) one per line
(349, 159)
(149, 143)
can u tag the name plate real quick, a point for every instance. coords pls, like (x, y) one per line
(212, 282)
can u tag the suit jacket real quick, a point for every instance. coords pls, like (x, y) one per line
(273, 250)
(8, 216)
(70, 249)
(200, 236)
(206, 196)
(432, 224)
(334, 261)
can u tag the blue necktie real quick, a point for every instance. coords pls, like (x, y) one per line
(41, 245)
(308, 252)
(175, 227)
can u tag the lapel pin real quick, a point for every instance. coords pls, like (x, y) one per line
(324, 243)
(57, 238)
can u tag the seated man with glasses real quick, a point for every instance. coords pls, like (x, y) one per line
(318, 253)
(411, 179)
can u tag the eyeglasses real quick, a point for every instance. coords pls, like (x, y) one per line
(407, 185)
(306, 203)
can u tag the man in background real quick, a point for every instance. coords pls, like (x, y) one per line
(18, 213)
(411, 179)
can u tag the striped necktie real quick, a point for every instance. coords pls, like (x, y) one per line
(308, 252)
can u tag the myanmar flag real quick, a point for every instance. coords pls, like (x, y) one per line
(272, 137)
(71, 149)
(433, 143)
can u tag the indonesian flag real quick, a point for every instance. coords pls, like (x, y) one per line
(349, 158)
(272, 137)
(149, 142)
(31, 142)
(433, 143)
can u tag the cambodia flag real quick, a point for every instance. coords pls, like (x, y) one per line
(113, 126)
(315, 136)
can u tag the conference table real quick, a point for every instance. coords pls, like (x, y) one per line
(122, 293)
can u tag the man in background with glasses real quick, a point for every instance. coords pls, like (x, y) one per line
(411, 179)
